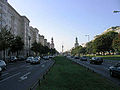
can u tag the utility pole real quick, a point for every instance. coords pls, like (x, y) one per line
(62, 48)
(88, 37)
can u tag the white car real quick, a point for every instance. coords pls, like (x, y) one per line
(29, 59)
(2, 64)
(0, 71)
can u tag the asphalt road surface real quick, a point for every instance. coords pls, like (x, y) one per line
(22, 75)
(100, 69)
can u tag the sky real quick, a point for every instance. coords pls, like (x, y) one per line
(64, 20)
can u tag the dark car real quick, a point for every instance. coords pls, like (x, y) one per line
(83, 58)
(13, 59)
(96, 60)
(72, 56)
(115, 70)
(21, 58)
(76, 57)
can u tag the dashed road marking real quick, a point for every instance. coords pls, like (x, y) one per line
(24, 76)
(9, 77)
(5, 74)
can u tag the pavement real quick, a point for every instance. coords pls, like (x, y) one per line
(22, 75)
(100, 69)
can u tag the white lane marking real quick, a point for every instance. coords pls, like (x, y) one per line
(4, 74)
(9, 77)
(43, 65)
(24, 76)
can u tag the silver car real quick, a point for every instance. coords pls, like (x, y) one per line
(2, 64)
(0, 71)
(35, 60)
(29, 59)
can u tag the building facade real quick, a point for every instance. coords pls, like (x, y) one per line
(19, 26)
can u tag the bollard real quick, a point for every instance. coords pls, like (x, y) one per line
(39, 82)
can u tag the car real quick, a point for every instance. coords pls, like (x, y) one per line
(76, 57)
(36, 60)
(51, 56)
(115, 70)
(2, 64)
(13, 59)
(21, 58)
(0, 71)
(29, 59)
(46, 57)
(83, 58)
(96, 60)
(72, 56)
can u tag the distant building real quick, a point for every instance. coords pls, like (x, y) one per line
(52, 43)
(76, 42)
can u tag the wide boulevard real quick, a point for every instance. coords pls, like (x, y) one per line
(22, 75)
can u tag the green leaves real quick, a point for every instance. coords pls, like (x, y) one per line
(5, 38)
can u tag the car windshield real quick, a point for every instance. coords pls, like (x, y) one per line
(35, 59)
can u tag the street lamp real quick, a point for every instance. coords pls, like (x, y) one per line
(29, 38)
(88, 37)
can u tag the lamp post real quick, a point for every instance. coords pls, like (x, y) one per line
(88, 37)
(29, 38)
(88, 41)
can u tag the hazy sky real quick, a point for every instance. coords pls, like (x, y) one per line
(66, 19)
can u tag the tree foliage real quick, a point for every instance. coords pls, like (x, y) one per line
(17, 44)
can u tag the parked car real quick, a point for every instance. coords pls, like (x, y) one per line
(51, 56)
(13, 59)
(115, 70)
(46, 57)
(35, 60)
(0, 71)
(96, 60)
(76, 57)
(29, 59)
(72, 56)
(21, 58)
(2, 64)
(83, 58)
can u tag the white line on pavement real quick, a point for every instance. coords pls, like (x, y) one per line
(9, 77)
(24, 76)
(4, 74)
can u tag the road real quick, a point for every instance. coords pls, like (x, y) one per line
(100, 69)
(22, 75)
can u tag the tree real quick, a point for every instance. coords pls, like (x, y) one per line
(17, 44)
(5, 39)
(35, 47)
(116, 44)
(103, 43)
(89, 47)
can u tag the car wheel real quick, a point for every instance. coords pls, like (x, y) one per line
(112, 74)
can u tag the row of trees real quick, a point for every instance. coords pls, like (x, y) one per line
(42, 50)
(14, 44)
(108, 42)
(10, 42)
